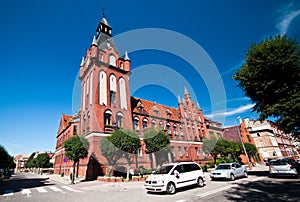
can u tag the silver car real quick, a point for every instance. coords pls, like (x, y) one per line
(229, 171)
(284, 166)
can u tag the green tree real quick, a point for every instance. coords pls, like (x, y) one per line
(6, 160)
(270, 77)
(209, 148)
(128, 143)
(251, 150)
(157, 142)
(31, 163)
(110, 152)
(76, 147)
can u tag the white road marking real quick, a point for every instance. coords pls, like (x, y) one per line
(27, 192)
(8, 192)
(41, 190)
(70, 189)
(180, 200)
(55, 189)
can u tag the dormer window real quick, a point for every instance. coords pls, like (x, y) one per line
(155, 110)
(121, 65)
(169, 113)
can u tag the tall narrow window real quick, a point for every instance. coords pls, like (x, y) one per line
(136, 124)
(160, 125)
(153, 123)
(175, 129)
(181, 129)
(107, 117)
(119, 120)
(168, 128)
(102, 88)
(123, 95)
(145, 123)
(91, 88)
(83, 97)
(112, 88)
(112, 60)
(179, 151)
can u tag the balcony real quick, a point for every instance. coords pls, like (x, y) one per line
(108, 128)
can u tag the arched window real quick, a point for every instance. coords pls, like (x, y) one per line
(160, 125)
(175, 129)
(121, 65)
(112, 60)
(123, 95)
(112, 88)
(102, 88)
(119, 120)
(153, 123)
(145, 123)
(168, 128)
(136, 123)
(181, 129)
(91, 88)
(107, 118)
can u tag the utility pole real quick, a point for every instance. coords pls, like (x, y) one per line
(238, 128)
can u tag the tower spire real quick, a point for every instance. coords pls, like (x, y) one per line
(103, 14)
(186, 90)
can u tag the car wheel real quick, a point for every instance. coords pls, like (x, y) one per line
(200, 182)
(245, 174)
(171, 189)
(232, 178)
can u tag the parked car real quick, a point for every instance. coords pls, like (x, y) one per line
(229, 171)
(284, 166)
(170, 177)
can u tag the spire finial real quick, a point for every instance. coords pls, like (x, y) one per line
(82, 62)
(126, 56)
(186, 90)
(94, 42)
(103, 14)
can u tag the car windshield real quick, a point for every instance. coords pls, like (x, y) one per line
(223, 167)
(163, 169)
(279, 163)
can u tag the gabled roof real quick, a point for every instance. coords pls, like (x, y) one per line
(146, 107)
(64, 122)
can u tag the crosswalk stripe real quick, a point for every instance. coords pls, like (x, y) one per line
(8, 192)
(26, 191)
(55, 189)
(41, 190)
(70, 189)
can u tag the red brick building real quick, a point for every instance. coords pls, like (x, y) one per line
(106, 104)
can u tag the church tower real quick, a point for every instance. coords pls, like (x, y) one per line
(104, 75)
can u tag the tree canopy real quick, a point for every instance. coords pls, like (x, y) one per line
(270, 77)
(156, 140)
(6, 160)
(128, 143)
(76, 147)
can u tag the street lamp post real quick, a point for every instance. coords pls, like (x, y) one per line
(238, 128)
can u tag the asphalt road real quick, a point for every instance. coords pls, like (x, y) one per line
(257, 187)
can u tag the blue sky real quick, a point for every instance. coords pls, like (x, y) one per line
(42, 43)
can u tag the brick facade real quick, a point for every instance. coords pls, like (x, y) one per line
(106, 105)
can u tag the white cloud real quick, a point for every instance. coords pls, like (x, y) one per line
(286, 20)
(239, 110)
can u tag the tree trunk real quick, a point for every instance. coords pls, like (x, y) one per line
(128, 169)
(73, 173)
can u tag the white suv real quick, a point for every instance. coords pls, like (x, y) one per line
(169, 177)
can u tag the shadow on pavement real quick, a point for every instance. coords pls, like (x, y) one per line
(267, 190)
(17, 183)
